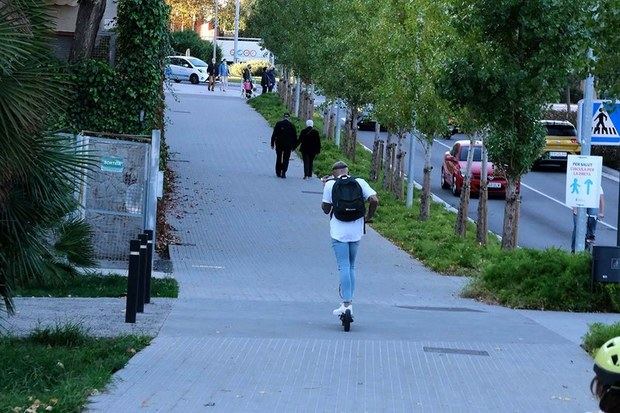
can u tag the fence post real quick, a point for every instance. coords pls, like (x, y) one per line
(132, 281)
(149, 264)
(142, 272)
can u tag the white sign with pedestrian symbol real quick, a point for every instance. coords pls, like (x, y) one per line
(583, 181)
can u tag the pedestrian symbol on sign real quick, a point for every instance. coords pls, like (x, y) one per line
(602, 125)
(575, 187)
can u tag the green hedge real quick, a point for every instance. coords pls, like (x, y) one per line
(258, 66)
(598, 335)
(188, 39)
(549, 279)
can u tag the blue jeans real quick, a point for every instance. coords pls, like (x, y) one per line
(345, 257)
(592, 219)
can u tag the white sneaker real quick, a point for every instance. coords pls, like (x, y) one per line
(340, 310)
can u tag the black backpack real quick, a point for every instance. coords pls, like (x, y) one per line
(348, 199)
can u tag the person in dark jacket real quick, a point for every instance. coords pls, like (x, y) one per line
(212, 72)
(271, 75)
(264, 80)
(283, 140)
(309, 146)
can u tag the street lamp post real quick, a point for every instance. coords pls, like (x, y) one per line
(215, 22)
(237, 6)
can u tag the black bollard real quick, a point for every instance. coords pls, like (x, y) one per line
(132, 281)
(142, 279)
(149, 264)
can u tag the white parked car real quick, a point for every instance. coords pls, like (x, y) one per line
(186, 68)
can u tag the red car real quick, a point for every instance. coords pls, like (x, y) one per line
(455, 164)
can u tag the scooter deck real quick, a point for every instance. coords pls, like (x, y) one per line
(346, 319)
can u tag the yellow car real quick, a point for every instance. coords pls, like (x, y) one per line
(561, 141)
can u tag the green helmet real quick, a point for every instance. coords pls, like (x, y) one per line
(607, 362)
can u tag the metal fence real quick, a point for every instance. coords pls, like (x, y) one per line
(119, 196)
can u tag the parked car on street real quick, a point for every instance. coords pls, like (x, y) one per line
(561, 141)
(455, 164)
(189, 68)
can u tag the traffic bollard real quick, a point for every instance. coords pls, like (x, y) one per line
(141, 279)
(132, 281)
(149, 264)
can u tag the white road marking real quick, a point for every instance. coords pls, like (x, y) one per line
(550, 198)
(215, 267)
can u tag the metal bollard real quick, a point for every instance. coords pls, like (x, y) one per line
(149, 264)
(142, 278)
(132, 281)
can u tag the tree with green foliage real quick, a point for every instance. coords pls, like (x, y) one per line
(38, 241)
(606, 26)
(189, 39)
(514, 57)
(226, 17)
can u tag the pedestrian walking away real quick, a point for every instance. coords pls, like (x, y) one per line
(344, 198)
(212, 70)
(264, 81)
(309, 146)
(283, 140)
(247, 89)
(271, 74)
(593, 215)
(223, 73)
(606, 383)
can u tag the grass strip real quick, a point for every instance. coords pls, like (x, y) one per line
(57, 369)
(526, 278)
(599, 334)
(97, 285)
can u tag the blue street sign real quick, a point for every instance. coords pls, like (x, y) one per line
(605, 123)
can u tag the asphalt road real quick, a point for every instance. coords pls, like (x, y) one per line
(545, 220)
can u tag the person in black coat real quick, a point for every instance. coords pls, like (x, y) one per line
(264, 81)
(283, 140)
(309, 146)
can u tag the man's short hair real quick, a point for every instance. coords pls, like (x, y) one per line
(339, 165)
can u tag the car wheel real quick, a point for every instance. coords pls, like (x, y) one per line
(194, 79)
(456, 191)
(444, 183)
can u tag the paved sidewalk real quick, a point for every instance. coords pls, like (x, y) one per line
(252, 330)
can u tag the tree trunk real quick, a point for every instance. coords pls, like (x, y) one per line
(399, 174)
(461, 219)
(568, 101)
(376, 163)
(353, 136)
(89, 17)
(482, 226)
(387, 162)
(425, 200)
(510, 232)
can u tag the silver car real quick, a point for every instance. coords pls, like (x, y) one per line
(186, 68)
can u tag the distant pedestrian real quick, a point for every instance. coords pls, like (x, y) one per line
(309, 146)
(247, 77)
(212, 70)
(344, 198)
(271, 75)
(264, 81)
(247, 89)
(223, 71)
(593, 215)
(606, 383)
(283, 140)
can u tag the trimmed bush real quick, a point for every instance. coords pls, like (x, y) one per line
(258, 66)
(189, 39)
(550, 279)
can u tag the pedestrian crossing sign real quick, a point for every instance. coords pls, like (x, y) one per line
(605, 123)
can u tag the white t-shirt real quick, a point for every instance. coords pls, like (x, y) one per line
(346, 231)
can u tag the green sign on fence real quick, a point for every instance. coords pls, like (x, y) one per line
(112, 164)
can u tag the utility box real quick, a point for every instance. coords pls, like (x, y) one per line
(606, 264)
